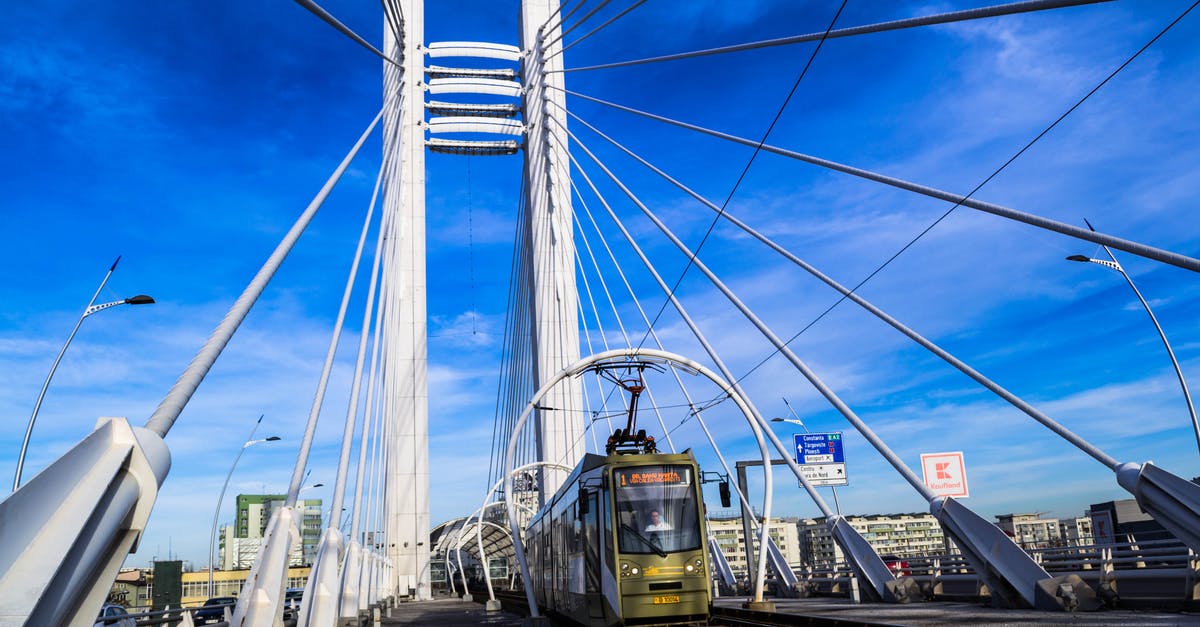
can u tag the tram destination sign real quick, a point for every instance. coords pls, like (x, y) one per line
(821, 458)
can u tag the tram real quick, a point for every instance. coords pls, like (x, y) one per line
(622, 542)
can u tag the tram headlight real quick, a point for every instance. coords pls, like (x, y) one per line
(695, 566)
(630, 570)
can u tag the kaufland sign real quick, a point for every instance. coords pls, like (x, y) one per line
(945, 474)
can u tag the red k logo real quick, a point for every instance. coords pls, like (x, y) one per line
(940, 470)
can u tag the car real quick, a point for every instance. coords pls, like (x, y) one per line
(213, 610)
(113, 615)
(897, 565)
(291, 602)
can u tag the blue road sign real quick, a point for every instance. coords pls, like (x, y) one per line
(819, 448)
(821, 458)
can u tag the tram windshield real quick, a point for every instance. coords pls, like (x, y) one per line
(656, 509)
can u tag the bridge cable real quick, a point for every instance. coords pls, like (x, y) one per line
(393, 21)
(603, 3)
(766, 331)
(1135, 248)
(372, 410)
(347, 441)
(965, 200)
(316, 10)
(617, 316)
(181, 392)
(564, 17)
(599, 327)
(595, 30)
(586, 398)
(695, 329)
(471, 243)
(370, 308)
(862, 302)
(642, 312)
(912, 22)
(746, 170)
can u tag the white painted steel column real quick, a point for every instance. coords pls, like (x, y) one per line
(406, 385)
(551, 241)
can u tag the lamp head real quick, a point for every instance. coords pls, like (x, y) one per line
(1078, 258)
(140, 299)
(777, 419)
(273, 438)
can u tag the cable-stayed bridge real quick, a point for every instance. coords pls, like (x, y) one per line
(590, 293)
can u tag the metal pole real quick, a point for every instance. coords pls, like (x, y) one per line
(1116, 265)
(38, 405)
(796, 420)
(212, 537)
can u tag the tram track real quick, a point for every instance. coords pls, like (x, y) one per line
(736, 617)
(723, 616)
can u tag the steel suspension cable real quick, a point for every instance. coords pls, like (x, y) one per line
(369, 309)
(603, 399)
(712, 353)
(1096, 237)
(693, 410)
(994, 387)
(316, 10)
(911, 22)
(599, 325)
(758, 147)
(546, 25)
(620, 324)
(392, 19)
(766, 331)
(597, 29)
(372, 409)
(339, 489)
(181, 392)
(603, 3)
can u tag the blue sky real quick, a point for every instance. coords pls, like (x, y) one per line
(188, 136)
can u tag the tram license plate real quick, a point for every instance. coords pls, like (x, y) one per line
(666, 598)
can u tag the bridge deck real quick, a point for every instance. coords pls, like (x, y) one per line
(947, 613)
(453, 612)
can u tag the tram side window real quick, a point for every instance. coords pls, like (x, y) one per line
(656, 509)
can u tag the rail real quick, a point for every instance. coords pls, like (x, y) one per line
(1132, 573)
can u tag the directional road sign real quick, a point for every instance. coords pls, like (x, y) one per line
(821, 458)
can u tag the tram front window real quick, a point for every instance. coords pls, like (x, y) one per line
(656, 509)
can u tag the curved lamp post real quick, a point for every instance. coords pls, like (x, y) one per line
(1115, 265)
(212, 538)
(92, 307)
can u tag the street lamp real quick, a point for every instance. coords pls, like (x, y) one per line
(1115, 265)
(212, 538)
(92, 307)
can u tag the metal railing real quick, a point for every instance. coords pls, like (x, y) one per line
(1154, 572)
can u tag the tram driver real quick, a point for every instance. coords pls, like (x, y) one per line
(657, 523)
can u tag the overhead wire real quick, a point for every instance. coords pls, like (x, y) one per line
(746, 170)
(1135, 248)
(912, 22)
(694, 328)
(877, 312)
